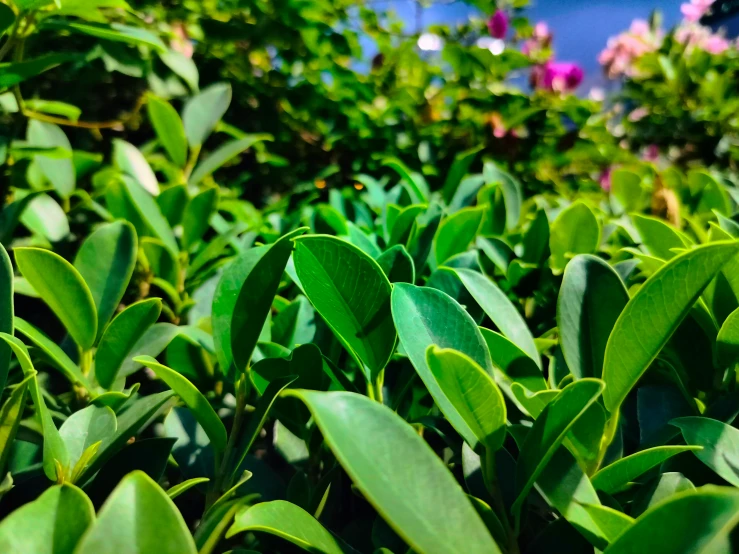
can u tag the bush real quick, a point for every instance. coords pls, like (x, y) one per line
(254, 298)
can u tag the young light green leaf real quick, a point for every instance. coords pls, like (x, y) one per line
(203, 111)
(51, 524)
(654, 312)
(548, 432)
(574, 231)
(169, 129)
(352, 294)
(243, 299)
(10, 419)
(125, 524)
(59, 172)
(290, 522)
(613, 477)
(500, 310)
(473, 394)
(693, 522)
(456, 232)
(397, 482)
(106, 261)
(659, 237)
(61, 286)
(121, 336)
(6, 312)
(131, 161)
(193, 398)
(720, 444)
(180, 488)
(425, 317)
(591, 298)
(43, 216)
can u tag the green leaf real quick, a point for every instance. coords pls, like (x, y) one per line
(473, 394)
(169, 129)
(51, 524)
(61, 286)
(7, 18)
(397, 264)
(654, 313)
(591, 298)
(613, 477)
(398, 473)
(131, 161)
(548, 432)
(203, 111)
(693, 522)
(125, 524)
(106, 261)
(55, 355)
(116, 32)
(720, 444)
(180, 488)
(193, 398)
(289, 522)
(425, 317)
(45, 217)
(223, 155)
(414, 183)
(196, 218)
(658, 237)
(456, 232)
(55, 107)
(182, 66)
(6, 313)
(727, 341)
(574, 231)
(243, 300)
(11, 214)
(352, 294)
(500, 310)
(54, 450)
(512, 364)
(10, 419)
(121, 336)
(85, 428)
(459, 168)
(512, 193)
(16, 72)
(128, 200)
(59, 172)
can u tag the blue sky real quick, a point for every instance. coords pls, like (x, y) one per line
(581, 27)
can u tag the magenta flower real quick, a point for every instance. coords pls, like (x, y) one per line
(557, 76)
(498, 24)
(605, 180)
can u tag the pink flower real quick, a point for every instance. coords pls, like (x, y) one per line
(695, 10)
(639, 27)
(540, 39)
(181, 42)
(605, 180)
(557, 76)
(623, 50)
(541, 32)
(651, 153)
(715, 44)
(498, 24)
(638, 114)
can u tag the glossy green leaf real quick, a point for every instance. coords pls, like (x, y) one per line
(127, 199)
(54, 450)
(727, 341)
(512, 364)
(413, 182)
(6, 312)
(720, 444)
(131, 161)
(425, 317)
(613, 477)
(115, 32)
(457, 171)
(473, 394)
(352, 294)
(169, 129)
(106, 261)
(456, 232)
(243, 300)
(223, 155)
(121, 336)
(125, 524)
(44, 216)
(10, 419)
(193, 398)
(196, 218)
(397, 265)
(693, 522)
(548, 432)
(591, 298)
(181, 488)
(85, 428)
(203, 111)
(408, 483)
(574, 231)
(659, 237)
(289, 522)
(500, 310)
(51, 524)
(653, 314)
(59, 172)
(17, 72)
(61, 286)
